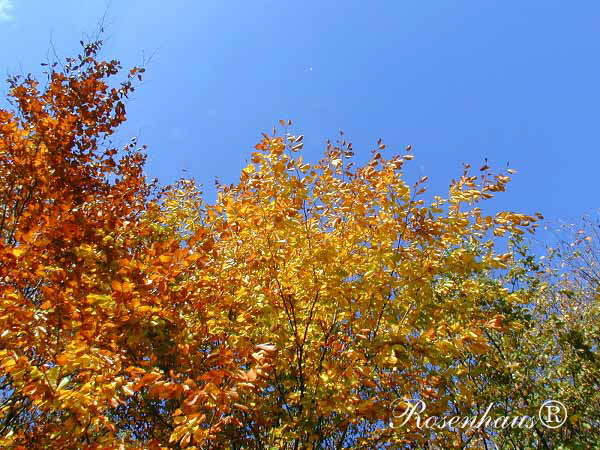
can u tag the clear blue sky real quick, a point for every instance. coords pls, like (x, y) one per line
(511, 81)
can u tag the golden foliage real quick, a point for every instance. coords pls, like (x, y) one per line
(294, 310)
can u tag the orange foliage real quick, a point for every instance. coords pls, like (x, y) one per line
(294, 311)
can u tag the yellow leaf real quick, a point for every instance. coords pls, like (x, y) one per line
(18, 251)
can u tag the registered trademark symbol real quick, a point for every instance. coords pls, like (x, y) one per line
(552, 414)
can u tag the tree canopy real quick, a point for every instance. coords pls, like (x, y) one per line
(305, 308)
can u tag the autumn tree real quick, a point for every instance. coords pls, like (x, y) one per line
(369, 293)
(102, 341)
(301, 309)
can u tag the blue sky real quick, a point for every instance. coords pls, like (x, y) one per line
(511, 81)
